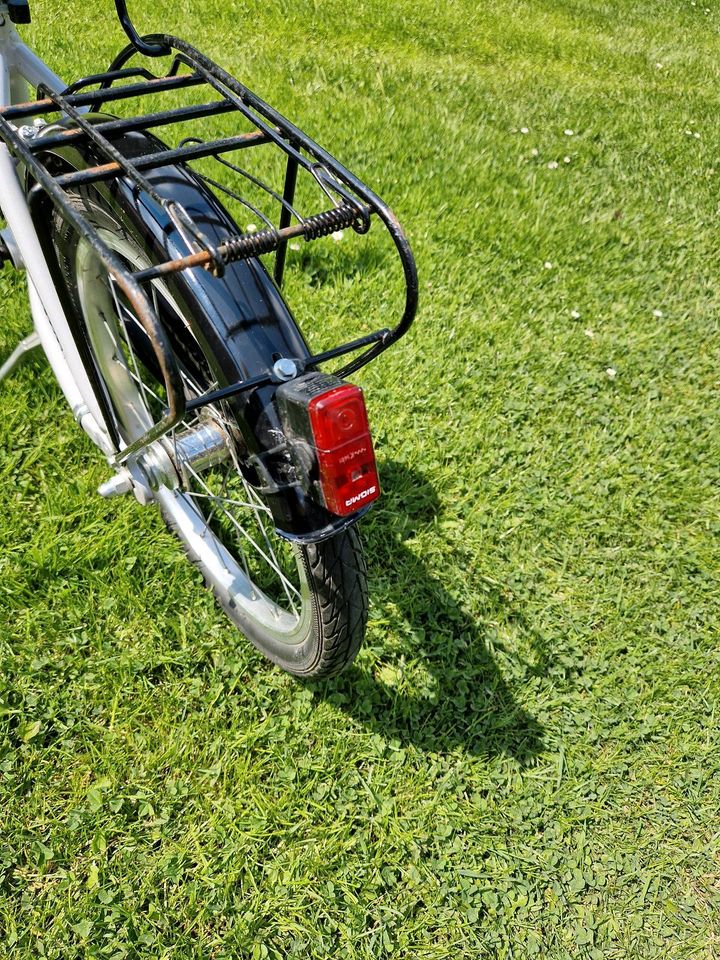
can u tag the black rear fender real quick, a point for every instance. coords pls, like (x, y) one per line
(240, 318)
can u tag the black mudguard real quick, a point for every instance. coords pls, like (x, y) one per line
(240, 318)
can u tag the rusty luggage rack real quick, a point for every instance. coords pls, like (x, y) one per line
(349, 203)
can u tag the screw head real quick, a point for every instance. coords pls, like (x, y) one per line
(285, 369)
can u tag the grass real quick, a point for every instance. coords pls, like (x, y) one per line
(524, 759)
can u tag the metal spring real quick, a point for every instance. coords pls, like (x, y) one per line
(323, 224)
(314, 227)
(250, 245)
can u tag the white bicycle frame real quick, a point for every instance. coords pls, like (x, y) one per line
(21, 69)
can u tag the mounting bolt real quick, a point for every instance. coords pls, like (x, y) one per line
(285, 369)
(119, 483)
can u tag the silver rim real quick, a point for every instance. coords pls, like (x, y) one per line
(226, 527)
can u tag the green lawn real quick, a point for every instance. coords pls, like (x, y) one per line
(524, 759)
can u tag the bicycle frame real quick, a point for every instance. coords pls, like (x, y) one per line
(21, 68)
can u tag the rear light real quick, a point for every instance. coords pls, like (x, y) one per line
(328, 416)
(348, 474)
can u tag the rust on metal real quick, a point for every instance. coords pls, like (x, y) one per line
(106, 171)
(255, 244)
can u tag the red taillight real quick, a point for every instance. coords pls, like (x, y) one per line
(326, 425)
(348, 474)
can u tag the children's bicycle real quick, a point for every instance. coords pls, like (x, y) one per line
(168, 334)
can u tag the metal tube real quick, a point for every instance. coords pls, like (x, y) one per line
(291, 172)
(107, 171)
(46, 105)
(48, 314)
(116, 268)
(148, 49)
(32, 68)
(66, 377)
(234, 389)
(286, 135)
(128, 125)
(26, 345)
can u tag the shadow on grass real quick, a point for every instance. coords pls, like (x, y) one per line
(465, 702)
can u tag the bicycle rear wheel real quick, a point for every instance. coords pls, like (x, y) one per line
(305, 608)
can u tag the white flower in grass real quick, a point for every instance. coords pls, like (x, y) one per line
(589, 333)
(566, 159)
(295, 246)
(251, 228)
(553, 165)
(524, 130)
(658, 314)
(575, 314)
(337, 236)
(534, 152)
(569, 133)
(658, 66)
(611, 373)
(548, 265)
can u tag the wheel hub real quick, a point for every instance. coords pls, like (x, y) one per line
(170, 462)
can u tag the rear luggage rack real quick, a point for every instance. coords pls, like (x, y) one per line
(347, 202)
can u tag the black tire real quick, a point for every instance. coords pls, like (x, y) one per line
(333, 573)
(337, 574)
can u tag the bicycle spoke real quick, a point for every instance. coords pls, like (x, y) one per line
(273, 564)
(213, 498)
(258, 508)
(124, 314)
(219, 498)
(235, 503)
(219, 501)
(289, 587)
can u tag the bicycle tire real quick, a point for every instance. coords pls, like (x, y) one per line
(333, 573)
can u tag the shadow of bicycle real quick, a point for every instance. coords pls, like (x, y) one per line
(437, 687)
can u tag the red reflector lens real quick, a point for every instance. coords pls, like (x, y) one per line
(348, 474)
(338, 415)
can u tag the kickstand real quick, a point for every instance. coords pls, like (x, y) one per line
(25, 346)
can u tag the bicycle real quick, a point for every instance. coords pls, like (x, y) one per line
(171, 340)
